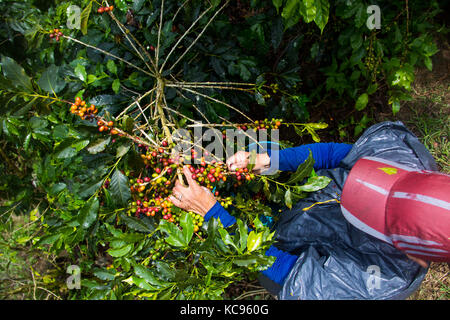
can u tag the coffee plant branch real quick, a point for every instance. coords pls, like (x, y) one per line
(108, 54)
(199, 36)
(181, 38)
(126, 32)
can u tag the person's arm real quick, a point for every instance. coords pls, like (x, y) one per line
(326, 155)
(219, 212)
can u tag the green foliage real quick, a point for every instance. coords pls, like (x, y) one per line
(58, 160)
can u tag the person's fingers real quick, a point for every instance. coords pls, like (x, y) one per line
(177, 193)
(238, 160)
(237, 157)
(178, 186)
(180, 190)
(176, 202)
(188, 175)
(231, 160)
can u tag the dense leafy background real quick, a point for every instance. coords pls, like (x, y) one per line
(296, 53)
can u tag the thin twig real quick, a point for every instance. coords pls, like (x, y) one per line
(251, 293)
(48, 291)
(218, 101)
(198, 37)
(181, 38)
(108, 54)
(126, 32)
(193, 104)
(142, 112)
(34, 283)
(138, 100)
(183, 85)
(179, 113)
(179, 9)
(145, 109)
(159, 33)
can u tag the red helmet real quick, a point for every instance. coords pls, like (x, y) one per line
(405, 207)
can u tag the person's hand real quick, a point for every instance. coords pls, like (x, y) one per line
(421, 262)
(194, 197)
(241, 159)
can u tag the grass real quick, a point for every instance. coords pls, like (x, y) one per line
(428, 116)
(25, 274)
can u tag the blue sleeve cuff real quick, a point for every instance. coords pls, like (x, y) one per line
(326, 155)
(217, 211)
(282, 265)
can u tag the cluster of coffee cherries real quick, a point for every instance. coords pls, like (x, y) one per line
(226, 202)
(208, 174)
(81, 109)
(158, 248)
(257, 125)
(106, 183)
(151, 189)
(267, 124)
(372, 62)
(105, 9)
(158, 159)
(106, 126)
(150, 207)
(198, 221)
(55, 34)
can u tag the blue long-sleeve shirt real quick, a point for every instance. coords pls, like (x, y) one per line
(326, 155)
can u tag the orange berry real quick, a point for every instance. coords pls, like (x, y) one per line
(102, 128)
(77, 101)
(114, 131)
(110, 124)
(111, 8)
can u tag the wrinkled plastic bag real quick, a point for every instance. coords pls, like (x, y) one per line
(337, 260)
